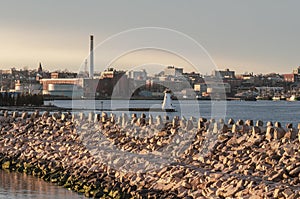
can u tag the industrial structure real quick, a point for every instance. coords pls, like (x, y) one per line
(113, 83)
(91, 57)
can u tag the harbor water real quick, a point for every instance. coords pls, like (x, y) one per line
(15, 185)
(282, 111)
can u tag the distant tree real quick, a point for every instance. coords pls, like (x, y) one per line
(1, 99)
(11, 101)
(41, 98)
(5, 99)
(18, 99)
(35, 100)
(24, 100)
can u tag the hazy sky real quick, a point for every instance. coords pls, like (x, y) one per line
(255, 36)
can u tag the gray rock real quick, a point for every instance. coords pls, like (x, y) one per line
(91, 117)
(24, 115)
(15, 114)
(189, 125)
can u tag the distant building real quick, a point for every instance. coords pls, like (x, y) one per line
(225, 74)
(137, 81)
(6, 79)
(24, 81)
(248, 80)
(297, 71)
(193, 78)
(65, 90)
(40, 69)
(188, 93)
(173, 71)
(218, 88)
(137, 75)
(111, 83)
(174, 84)
(7, 71)
(65, 87)
(200, 87)
(266, 89)
(40, 74)
(27, 88)
(290, 77)
(56, 75)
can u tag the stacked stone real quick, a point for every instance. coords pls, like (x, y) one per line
(210, 158)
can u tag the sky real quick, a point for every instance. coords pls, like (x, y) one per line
(245, 36)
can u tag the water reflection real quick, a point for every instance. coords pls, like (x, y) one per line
(17, 185)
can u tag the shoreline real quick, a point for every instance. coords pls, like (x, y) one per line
(53, 108)
(238, 159)
(152, 98)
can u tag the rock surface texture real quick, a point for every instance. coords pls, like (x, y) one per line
(205, 158)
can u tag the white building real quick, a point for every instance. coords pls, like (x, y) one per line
(173, 71)
(137, 75)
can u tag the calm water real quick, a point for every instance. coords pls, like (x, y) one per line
(283, 111)
(15, 185)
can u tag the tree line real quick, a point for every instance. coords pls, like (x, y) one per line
(10, 99)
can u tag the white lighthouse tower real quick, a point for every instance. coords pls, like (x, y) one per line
(167, 103)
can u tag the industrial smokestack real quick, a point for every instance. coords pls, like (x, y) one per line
(92, 57)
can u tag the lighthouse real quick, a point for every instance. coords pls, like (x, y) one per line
(167, 103)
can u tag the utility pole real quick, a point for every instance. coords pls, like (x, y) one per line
(85, 67)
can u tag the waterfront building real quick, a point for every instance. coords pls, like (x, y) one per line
(64, 87)
(112, 83)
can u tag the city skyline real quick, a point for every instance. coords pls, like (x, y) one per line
(259, 37)
(158, 70)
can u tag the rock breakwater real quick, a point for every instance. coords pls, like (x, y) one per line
(172, 157)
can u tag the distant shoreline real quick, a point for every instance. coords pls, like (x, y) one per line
(53, 108)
